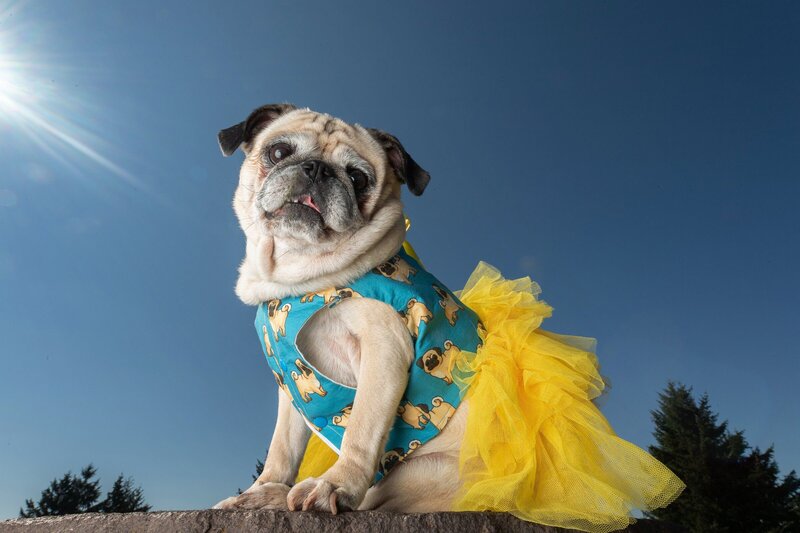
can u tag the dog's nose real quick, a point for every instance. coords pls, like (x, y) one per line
(315, 169)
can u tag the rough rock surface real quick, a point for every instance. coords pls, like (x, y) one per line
(233, 521)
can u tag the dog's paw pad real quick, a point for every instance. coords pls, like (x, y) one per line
(259, 496)
(320, 495)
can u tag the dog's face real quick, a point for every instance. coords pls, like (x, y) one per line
(346, 293)
(387, 269)
(431, 360)
(312, 185)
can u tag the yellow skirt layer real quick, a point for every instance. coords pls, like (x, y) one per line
(536, 445)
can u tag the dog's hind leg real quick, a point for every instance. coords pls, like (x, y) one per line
(435, 473)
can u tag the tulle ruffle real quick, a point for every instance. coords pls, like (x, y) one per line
(536, 445)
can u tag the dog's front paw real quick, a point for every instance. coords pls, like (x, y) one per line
(258, 496)
(321, 495)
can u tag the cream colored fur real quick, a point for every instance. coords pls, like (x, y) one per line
(360, 342)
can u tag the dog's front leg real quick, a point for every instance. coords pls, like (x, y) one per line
(286, 451)
(380, 361)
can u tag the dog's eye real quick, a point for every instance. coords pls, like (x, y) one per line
(358, 178)
(279, 151)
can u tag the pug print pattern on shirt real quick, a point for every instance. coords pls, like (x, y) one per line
(278, 314)
(440, 326)
(448, 303)
(414, 313)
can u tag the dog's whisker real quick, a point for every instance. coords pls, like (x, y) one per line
(253, 223)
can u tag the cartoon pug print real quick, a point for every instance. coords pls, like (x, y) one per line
(449, 305)
(441, 412)
(415, 313)
(270, 353)
(391, 459)
(332, 295)
(438, 363)
(415, 416)
(482, 333)
(343, 293)
(395, 456)
(343, 416)
(277, 317)
(347, 292)
(397, 269)
(327, 295)
(281, 385)
(306, 381)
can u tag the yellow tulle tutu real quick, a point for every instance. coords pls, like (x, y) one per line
(536, 445)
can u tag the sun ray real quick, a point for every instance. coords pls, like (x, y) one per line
(31, 116)
(33, 105)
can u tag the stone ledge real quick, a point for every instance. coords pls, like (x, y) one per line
(306, 522)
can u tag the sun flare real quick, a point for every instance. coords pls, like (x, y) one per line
(35, 105)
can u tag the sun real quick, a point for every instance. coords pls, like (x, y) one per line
(15, 69)
(39, 109)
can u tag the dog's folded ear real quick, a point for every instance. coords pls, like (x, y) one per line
(403, 164)
(242, 133)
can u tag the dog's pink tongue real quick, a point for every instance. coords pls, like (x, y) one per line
(307, 200)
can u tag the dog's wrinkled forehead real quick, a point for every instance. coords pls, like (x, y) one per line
(323, 136)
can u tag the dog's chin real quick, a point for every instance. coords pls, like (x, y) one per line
(294, 252)
(296, 210)
(298, 222)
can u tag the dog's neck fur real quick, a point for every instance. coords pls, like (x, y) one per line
(276, 268)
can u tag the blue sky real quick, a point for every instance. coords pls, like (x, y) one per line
(639, 160)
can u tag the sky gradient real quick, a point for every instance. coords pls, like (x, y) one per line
(641, 161)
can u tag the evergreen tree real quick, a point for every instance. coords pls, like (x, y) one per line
(80, 494)
(259, 468)
(729, 486)
(124, 498)
(69, 495)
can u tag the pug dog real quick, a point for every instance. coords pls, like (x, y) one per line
(441, 412)
(415, 416)
(327, 295)
(319, 202)
(440, 364)
(277, 317)
(306, 381)
(281, 384)
(448, 304)
(341, 419)
(391, 458)
(415, 313)
(396, 269)
(331, 294)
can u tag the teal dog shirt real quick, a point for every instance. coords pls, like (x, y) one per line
(440, 327)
